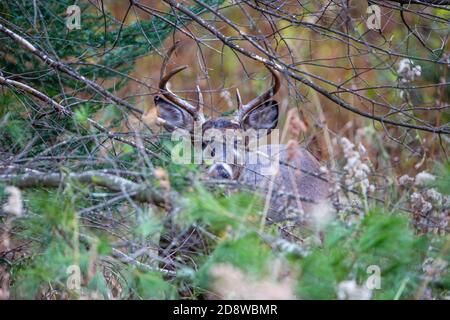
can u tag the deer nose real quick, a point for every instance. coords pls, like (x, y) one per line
(224, 173)
(220, 171)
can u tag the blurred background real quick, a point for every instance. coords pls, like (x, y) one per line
(92, 207)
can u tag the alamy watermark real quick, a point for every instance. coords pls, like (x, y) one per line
(73, 19)
(73, 282)
(374, 280)
(374, 19)
(230, 146)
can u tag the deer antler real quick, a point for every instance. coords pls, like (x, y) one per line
(196, 112)
(244, 109)
(200, 105)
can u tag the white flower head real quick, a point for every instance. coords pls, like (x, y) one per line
(423, 178)
(347, 146)
(14, 203)
(356, 166)
(419, 204)
(434, 196)
(406, 181)
(322, 214)
(349, 290)
(407, 71)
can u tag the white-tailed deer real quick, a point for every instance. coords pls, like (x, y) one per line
(297, 183)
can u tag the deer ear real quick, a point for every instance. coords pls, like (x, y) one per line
(265, 116)
(174, 116)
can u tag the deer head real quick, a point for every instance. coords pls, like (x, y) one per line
(259, 114)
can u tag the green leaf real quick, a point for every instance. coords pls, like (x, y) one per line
(151, 285)
(219, 212)
(247, 253)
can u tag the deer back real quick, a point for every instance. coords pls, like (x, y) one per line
(296, 184)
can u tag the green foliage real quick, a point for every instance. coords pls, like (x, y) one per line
(81, 115)
(219, 212)
(384, 239)
(381, 239)
(247, 253)
(148, 225)
(102, 37)
(103, 48)
(14, 133)
(85, 227)
(442, 182)
(148, 285)
(56, 226)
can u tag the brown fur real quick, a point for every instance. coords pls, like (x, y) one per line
(298, 176)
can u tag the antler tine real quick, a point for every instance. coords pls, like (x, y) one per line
(238, 98)
(200, 105)
(167, 58)
(246, 108)
(169, 95)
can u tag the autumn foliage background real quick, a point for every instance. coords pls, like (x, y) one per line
(193, 239)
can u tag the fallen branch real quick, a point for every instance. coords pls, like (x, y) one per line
(111, 182)
(142, 266)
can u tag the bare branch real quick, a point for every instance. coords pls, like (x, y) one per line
(290, 71)
(54, 63)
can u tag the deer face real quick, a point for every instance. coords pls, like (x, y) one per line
(220, 136)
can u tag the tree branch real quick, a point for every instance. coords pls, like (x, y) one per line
(111, 182)
(423, 2)
(58, 65)
(25, 88)
(290, 71)
(58, 107)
